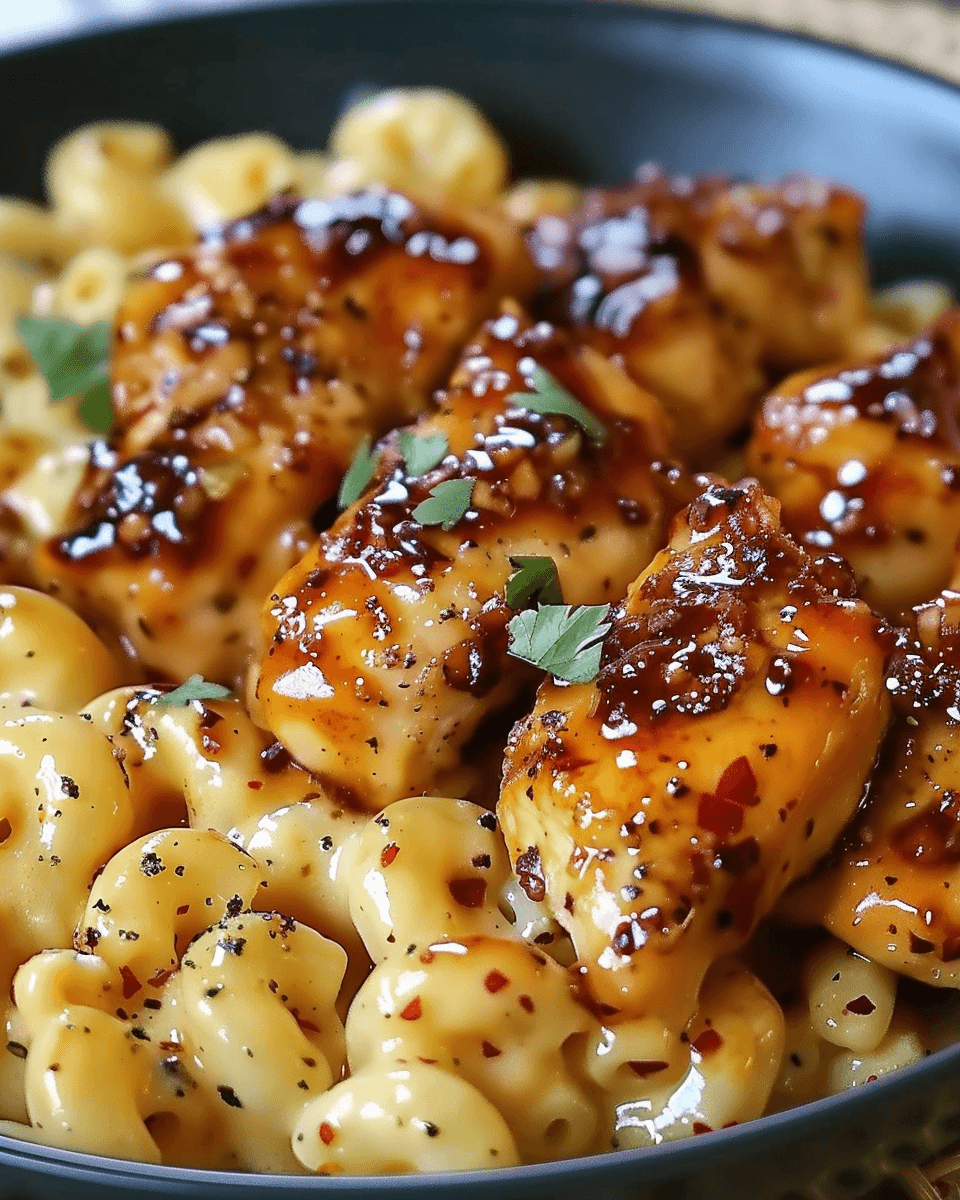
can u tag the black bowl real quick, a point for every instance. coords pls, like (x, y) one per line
(587, 90)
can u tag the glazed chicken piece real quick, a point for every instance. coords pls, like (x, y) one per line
(865, 460)
(389, 638)
(245, 374)
(893, 889)
(662, 809)
(701, 287)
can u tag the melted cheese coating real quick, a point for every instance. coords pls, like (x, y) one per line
(272, 930)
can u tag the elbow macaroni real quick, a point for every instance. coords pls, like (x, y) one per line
(424, 140)
(257, 975)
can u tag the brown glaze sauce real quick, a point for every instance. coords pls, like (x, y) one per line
(685, 653)
(384, 534)
(916, 389)
(151, 501)
(628, 248)
(924, 670)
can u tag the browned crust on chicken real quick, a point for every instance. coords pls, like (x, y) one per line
(389, 639)
(725, 743)
(705, 288)
(245, 374)
(892, 888)
(865, 460)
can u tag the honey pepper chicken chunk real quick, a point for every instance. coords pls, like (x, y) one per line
(245, 374)
(892, 889)
(865, 460)
(725, 743)
(388, 641)
(702, 286)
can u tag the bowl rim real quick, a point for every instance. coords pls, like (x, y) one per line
(786, 1125)
(104, 23)
(650, 1162)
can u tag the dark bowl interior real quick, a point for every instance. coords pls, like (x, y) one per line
(590, 91)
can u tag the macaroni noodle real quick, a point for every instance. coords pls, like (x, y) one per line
(267, 900)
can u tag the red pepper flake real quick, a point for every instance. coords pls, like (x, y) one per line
(413, 1011)
(427, 957)
(131, 984)
(183, 910)
(707, 1042)
(388, 854)
(722, 817)
(647, 1066)
(5, 830)
(739, 784)
(254, 784)
(526, 1003)
(863, 1006)
(158, 978)
(468, 893)
(701, 1127)
(327, 1133)
(490, 1050)
(495, 980)
(872, 1078)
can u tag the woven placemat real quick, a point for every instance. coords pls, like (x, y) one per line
(915, 32)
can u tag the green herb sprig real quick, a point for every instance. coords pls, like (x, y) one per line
(75, 362)
(550, 398)
(194, 688)
(447, 503)
(535, 581)
(422, 454)
(361, 470)
(566, 642)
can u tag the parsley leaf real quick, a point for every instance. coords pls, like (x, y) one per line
(422, 454)
(194, 688)
(567, 642)
(549, 397)
(359, 473)
(535, 579)
(446, 503)
(75, 363)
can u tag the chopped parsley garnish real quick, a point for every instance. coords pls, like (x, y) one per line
(446, 503)
(566, 642)
(422, 454)
(359, 474)
(194, 688)
(550, 398)
(535, 581)
(75, 362)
